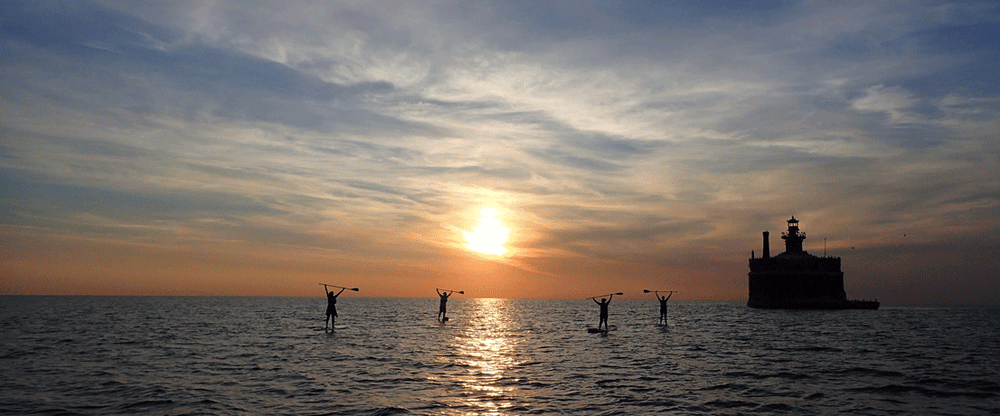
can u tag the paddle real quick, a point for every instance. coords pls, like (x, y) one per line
(341, 287)
(460, 292)
(658, 291)
(609, 294)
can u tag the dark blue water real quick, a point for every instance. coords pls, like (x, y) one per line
(204, 355)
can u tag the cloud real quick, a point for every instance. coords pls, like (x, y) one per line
(670, 131)
(893, 101)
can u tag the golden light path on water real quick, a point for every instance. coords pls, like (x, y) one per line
(488, 351)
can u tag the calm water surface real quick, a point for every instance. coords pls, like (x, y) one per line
(204, 355)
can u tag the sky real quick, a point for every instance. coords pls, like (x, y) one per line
(239, 148)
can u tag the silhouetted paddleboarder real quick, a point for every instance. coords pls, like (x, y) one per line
(663, 306)
(331, 307)
(331, 304)
(604, 311)
(663, 303)
(443, 309)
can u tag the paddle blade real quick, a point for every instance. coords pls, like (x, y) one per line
(619, 293)
(461, 292)
(645, 291)
(354, 289)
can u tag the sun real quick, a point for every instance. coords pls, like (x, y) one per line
(488, 237)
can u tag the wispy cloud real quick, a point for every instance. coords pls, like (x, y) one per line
(612, 136)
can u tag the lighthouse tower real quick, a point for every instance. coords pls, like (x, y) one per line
(793, 238)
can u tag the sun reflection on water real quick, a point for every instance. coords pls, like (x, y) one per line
(488, 348)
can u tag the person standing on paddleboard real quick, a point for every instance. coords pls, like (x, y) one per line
(331, 307)
(444, 304)
(604, 311)
(663, 306)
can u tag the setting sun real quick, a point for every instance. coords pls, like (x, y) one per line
(488, 237)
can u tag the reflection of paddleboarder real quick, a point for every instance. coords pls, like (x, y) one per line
(444, 304)
(663, 306)
(331, 307)
(604, 311)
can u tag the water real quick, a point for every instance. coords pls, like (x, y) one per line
(205, 355)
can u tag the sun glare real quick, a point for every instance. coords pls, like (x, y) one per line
(488, 237)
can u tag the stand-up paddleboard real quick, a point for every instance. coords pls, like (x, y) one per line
(602, 331)
(335, 328)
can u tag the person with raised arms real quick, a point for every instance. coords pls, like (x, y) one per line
(604, 311)
(663, 303)
(663, 306)
(331, 307)
(443, 309)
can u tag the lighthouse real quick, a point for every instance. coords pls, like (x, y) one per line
(796, 279)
